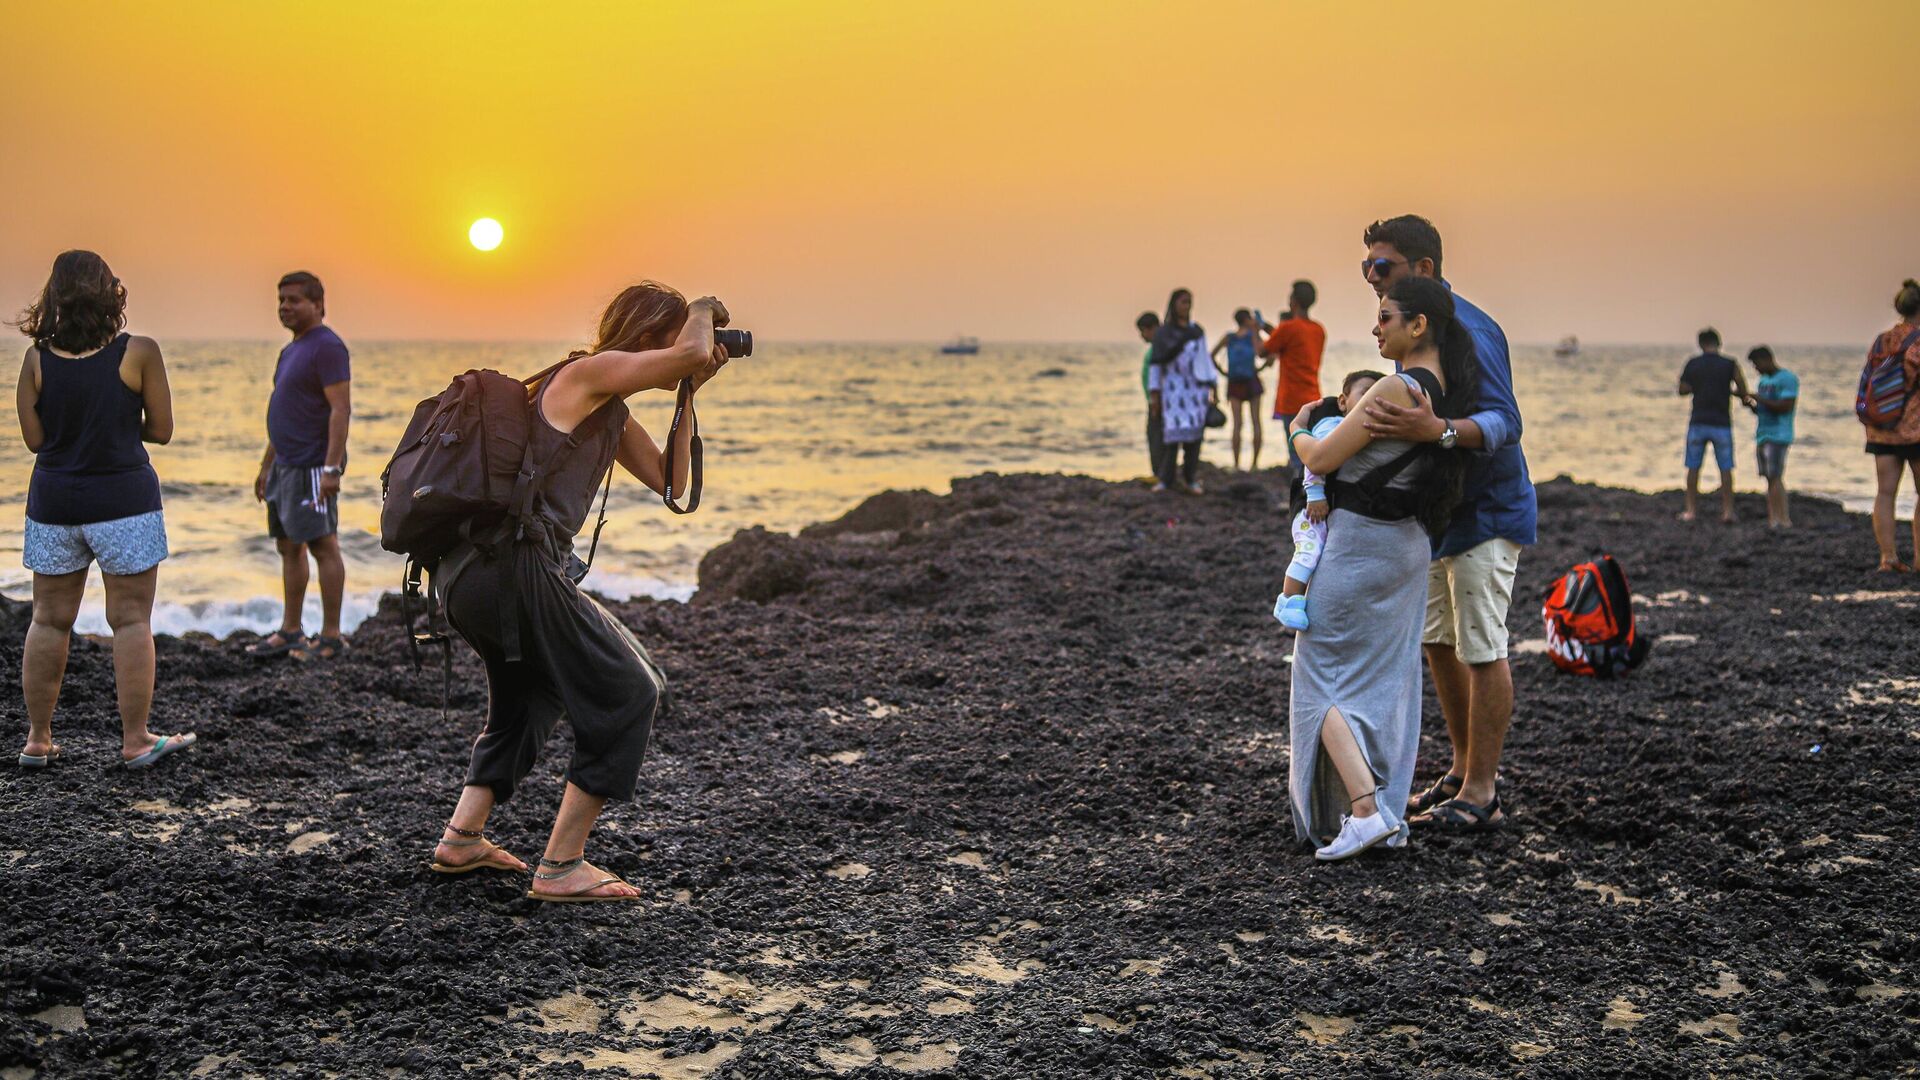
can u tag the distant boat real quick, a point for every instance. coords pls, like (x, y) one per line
(961, 346)
(1569, 346)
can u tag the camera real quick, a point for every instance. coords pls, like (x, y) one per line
(738, 343)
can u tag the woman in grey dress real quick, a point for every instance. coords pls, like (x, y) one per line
(1356, 672)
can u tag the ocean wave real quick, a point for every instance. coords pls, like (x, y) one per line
(261, 614)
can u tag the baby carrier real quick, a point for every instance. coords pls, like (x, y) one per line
(1589, 617)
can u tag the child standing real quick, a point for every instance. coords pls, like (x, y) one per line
(1310, 524)
(1774, 401)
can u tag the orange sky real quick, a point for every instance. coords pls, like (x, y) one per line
(1012, 170)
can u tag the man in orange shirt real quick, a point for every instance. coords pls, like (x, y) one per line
(1297, 343)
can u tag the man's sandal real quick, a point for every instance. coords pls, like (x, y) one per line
(486, 861)
(266, 647)
(1461, 816)
(562, 869)
(1443, 789)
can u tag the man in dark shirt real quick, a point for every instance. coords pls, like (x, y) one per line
(300, 472)
(1710, 379)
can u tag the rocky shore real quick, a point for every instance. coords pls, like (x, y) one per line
(992, 785)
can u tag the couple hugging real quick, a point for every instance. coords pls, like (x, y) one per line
(1400, 562)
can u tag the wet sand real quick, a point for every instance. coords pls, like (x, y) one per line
(993, 785)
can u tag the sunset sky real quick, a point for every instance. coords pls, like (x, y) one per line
(1029, 171)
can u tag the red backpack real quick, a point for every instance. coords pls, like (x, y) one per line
(1589, 616)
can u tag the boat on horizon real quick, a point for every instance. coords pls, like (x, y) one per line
(961, 346)
(1569, 346)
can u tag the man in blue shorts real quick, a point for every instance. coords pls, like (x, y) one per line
(1710, 379)
(306, 455)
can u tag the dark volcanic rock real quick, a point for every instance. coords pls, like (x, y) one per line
(889, 511)
(994, 786)
(755, 565)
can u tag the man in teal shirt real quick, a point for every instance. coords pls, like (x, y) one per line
(1148, 324)
(1774, 400)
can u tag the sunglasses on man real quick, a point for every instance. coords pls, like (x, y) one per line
(1369, 268)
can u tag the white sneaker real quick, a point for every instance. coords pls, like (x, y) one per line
(1357, 834)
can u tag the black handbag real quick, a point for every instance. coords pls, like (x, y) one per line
(1216, 417)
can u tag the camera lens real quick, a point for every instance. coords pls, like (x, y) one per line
(738, 343)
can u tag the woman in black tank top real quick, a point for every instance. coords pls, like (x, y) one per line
(89, 396)
(556, 652)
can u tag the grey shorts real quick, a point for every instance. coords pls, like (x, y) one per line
(128, 545)
(1772, 459)
(295, 510)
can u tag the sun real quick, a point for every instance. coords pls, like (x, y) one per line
(486, 234)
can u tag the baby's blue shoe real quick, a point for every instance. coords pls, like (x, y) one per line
(1292, 612)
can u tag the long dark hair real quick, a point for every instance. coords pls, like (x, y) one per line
(1460, 370)
(1172, 337)
(82, 308)
(643, 316)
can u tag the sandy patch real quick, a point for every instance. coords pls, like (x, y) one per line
(1529, 647)
(1864, 596)
(1322, 1030)
(1331, 932)
(1251, 936)
(845, 757)
(1730, 985)
(1477, 957)
(876, 710)
(969, 858)
(848, 1054)
(849, 871)
(985, 965)
(1878, 992)
(1889, 691)
(929, 1058)
(1527, 1050)
(1622, 1015)
(864, 1012)
(571, 1011)
(1150, 968)
(951, 1006)
(648, 1062)
(1719, 1026)
(307, 841)
(1501, 918)
(1665, 639)
(1611, 894)
(65, 1018)
(1105, 1023)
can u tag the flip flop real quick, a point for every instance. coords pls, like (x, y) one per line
(288, 642)
(319, 648)
(562, 869)
(40, 761)
(167, 744)
(484, 862)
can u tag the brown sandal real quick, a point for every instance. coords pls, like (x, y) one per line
(472, 838)
(562, 869)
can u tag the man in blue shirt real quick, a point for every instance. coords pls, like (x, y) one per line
(1773, 402)
(1470, 582)
(306, 455)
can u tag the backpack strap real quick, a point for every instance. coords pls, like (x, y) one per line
(683, 413)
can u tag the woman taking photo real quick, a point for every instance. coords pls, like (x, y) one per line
(1180, 387)
(1355, 716)
(575, 659)
(1896, 447)
(89, 395)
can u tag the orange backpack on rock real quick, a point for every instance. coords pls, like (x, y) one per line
(1589, 616)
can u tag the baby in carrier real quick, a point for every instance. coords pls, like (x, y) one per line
(1310, 524)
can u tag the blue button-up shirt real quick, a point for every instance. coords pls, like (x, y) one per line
(1499, 499)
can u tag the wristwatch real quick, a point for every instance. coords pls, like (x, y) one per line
(333, 470)
(1449, 437)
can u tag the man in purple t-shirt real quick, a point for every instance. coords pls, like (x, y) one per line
(300, 472)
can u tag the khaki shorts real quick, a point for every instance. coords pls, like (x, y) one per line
(1467, 599)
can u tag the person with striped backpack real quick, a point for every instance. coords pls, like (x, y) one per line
(1884, 404)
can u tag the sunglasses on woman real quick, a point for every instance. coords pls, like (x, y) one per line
(1387, 315)
(1371, 267)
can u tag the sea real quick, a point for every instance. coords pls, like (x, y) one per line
(801, 433)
